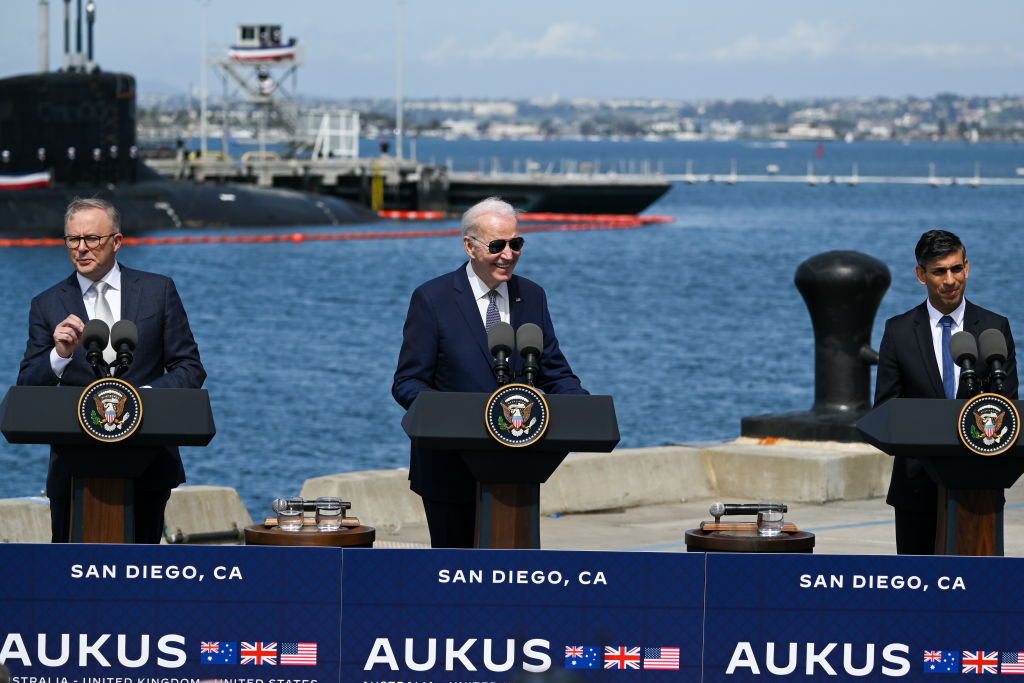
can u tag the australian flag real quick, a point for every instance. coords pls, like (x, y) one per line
(218, 652)
(941, 662)
(582, 657)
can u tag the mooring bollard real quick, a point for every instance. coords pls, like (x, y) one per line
(842, 290)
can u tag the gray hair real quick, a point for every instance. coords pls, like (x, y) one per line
(495, 205)
(78, 204)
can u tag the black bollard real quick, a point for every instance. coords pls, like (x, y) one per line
(842, 290)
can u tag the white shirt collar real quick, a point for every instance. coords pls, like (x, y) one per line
(934, 315)
(480, 290)
(113, 278)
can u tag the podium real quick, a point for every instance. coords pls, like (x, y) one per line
(103, 491)
(969, 515)
(509, 478)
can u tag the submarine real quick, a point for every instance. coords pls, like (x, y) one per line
(72, 133)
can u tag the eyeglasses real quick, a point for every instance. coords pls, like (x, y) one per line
(91, 241)
(498, 246)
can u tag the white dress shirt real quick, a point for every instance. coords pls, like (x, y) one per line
(934, 316)
(480, 292)
(113, 295)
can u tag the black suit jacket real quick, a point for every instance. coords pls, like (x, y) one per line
(444, 348)
(907, 368)
(166, 355)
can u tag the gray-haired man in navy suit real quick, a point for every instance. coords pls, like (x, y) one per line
(910, 365)
(444, 348)
(166, 354)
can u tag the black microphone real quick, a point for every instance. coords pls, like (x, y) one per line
(500, 340)
(530, 340)
(719, 509)
(124, 337)
(992, 345)
(94, 339)
(964, 350)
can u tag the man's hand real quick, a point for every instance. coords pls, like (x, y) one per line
(68, 335)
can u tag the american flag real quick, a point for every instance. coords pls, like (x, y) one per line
(661, 658)
(1011, 662)
(259, 653)
(621, 657)
(978, 662)
(298, 653)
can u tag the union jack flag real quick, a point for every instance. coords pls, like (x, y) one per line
(573, 651)
(978, 662)
(259, 653)
(621, 657)
(208, 646)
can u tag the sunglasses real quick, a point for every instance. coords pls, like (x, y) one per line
(498, 246)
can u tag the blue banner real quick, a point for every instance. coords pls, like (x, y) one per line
(145, 614)
(497, 615)
(121, 613)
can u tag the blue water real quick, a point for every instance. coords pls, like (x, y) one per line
(690, 325)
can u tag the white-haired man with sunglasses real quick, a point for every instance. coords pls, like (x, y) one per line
(444, 348)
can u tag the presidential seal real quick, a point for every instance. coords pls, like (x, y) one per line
(109, 410)
(989, 424)
(516, 415)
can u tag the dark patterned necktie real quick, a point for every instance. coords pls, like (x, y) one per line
(948, 374)
(492, 309)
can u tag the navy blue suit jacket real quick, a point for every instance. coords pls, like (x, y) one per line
(444, 348)
(166, 355)
(907, 368)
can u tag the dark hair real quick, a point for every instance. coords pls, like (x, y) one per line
(937, 244)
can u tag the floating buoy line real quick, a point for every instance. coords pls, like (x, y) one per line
(529, 222)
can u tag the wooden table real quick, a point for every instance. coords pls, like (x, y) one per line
(748, 542)
(345, 537)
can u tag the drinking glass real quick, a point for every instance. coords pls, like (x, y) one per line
(328, 514)
(769, 519)
(290, 515)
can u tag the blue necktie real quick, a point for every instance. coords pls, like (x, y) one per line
(492, 310)
(948, 375)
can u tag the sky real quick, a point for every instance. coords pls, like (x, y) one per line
(652, 49)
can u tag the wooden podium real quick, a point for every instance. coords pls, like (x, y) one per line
(103, 487)
(969, 515)
(508, 478)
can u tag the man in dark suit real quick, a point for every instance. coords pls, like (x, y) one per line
(166, 354)
(444, 348)
(910, 365)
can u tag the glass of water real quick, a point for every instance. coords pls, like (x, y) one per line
(769, 519)
(290, 514)
(328, 514)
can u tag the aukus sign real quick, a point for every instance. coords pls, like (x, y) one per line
(137, 614)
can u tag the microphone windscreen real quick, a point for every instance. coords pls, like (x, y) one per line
(124, 332)
(501, 337)
(963, 346)
(717, 509)
(529, 339)
(95, 332)
(992, 344)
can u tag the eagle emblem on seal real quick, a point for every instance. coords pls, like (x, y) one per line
(517, 414)
(110, 413)
(989, 420)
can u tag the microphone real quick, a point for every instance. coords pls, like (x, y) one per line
(530, 340)
(94, 339)
(124, 337)
(719, 509)
(964, 350)
(992, 345)
(500, 340)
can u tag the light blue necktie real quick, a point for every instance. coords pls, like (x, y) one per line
(492, 309)
(948, 375)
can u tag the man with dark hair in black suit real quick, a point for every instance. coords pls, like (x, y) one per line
(910, 365)
(166, 354)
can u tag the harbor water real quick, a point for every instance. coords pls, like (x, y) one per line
(690, 325)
